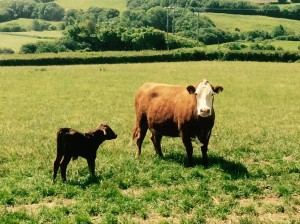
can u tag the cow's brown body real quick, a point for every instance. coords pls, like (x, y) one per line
(170, 110)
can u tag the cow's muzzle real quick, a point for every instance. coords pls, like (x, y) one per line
(204, 112)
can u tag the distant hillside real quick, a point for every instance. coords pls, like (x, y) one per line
(245, 23)
(184, 22)
(85, 4)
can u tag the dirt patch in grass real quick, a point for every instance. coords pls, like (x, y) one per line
(35, 208)
(268, 209)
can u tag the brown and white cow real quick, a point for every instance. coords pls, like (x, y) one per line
(175, 111)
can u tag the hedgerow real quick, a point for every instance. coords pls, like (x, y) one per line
(194, 54)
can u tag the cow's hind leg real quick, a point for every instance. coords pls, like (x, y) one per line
(156, 139)
(141, 133)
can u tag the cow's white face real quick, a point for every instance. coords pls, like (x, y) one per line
(204, 93)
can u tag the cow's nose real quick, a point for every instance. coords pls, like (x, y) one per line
(205, 110)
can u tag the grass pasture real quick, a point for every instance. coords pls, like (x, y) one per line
(26, 23)
(285, 45)
(253, 172)
(15, 40)
(79, 4)
(247, 23)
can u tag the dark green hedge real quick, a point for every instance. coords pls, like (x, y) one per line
(147, 56)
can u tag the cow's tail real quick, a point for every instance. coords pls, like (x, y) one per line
(135, 132)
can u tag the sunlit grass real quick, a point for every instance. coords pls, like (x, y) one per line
(79, 4)
(245, 23)
(254, 149)
(26, 23)
(284, 45)
(16, 40)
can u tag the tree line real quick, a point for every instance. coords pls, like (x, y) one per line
(38, 9)
(144, 26)
(224, 6)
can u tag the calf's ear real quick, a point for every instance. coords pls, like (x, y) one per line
(218, 88)
(103, 128)
(191, 89)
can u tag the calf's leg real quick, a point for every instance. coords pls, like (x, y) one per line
(56, 166)
(63, 167)
(91, 164)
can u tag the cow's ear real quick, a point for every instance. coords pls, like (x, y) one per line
(218, 88)
(191, 89)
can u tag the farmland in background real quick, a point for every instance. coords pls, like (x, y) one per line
(253, 171)
(79, 4)
(15, 40)
(226, 22)
(284, 45)
(245, 23)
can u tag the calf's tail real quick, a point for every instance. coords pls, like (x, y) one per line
(59, 150)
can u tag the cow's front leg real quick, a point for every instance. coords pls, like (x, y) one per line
(204, 148)
(189, 149)
(204, 154)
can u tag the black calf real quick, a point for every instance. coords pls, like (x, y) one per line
(71, 144)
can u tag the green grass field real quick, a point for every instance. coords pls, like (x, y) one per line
(253, 171)
(16, 40)
(79, 4)
(246, 23)
(285, 45)
(26, 23)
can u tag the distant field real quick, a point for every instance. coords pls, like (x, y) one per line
(246, 23)
(16, 40)
(85, 4)
(285, 45)
(254, 156)
(25, 23)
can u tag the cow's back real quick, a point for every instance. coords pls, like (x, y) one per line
(164, 106)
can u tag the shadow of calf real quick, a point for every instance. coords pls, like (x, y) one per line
(85, 182)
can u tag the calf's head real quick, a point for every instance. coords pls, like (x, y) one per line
(204, 93)
(109, 134)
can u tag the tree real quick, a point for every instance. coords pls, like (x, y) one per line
(279, 31)
(282, 1)
(36, 25)
(133, 18)
(157, 18)
(52, 12)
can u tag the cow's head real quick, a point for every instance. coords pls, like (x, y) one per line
(204, 93)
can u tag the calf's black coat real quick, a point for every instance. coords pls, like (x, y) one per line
(72, 143)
